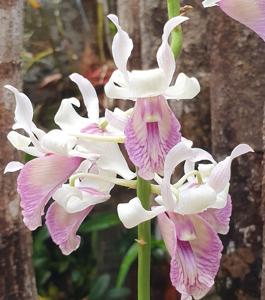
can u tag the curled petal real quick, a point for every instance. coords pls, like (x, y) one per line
(110, 158)
(132, 213)
(59, 142)
(195, 199)
(184, 88)
(22, 143)
(122, 47)
(74, 199)
(23, 111)
(116, 119)
(13, 166)
(175, 156)
(221, 173)
(89, 96)
(63, 226)
(150, 134)
(68, 119)
(38, 180)
(219, 219)
(165, 56)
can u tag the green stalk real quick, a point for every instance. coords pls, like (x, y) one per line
(144, 242)
(173, 8)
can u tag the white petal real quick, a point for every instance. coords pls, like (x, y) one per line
(23, 111)
(74, 200)
(142, 84)
(196, 199)
(132, 213)
(210, 3)
(117, 119)
(68, 119)
(22, 143)
(117, 87)
(175, 156)
(221, 173)
(221, 199)
(62, 195)
(13, 166)
(165, 56)
(89, 95)
(57, 141)
(80, 151)
(184, 88)
(110, 158)
(122, 47)
(240, 150)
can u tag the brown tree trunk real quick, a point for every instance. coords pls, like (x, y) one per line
(17, 277)
(263, 212)
(237, 99)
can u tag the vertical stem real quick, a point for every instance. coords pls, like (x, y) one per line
(144, 243)
(100, 30)
(173, 8)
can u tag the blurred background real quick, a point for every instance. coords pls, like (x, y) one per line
(41, 43)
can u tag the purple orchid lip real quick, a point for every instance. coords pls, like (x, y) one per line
(150, 133)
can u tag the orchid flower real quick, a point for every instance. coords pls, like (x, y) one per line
(94, 134)
(190, 215)
(153, 129)
(73, 203)
(250, 13)
(40, 177)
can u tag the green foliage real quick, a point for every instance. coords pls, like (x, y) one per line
(73, 276)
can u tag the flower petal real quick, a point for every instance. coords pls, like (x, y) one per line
(195, 199)
(63, 227)
(22, 143)
(59, 142)
(74, 199)
(184, 88)
(165, 56)
(220, 176)
(150, 134)
(195, 263)
(219, 219)
(13, 166)
(210, 3)
(117, 119)
(168, 231)
(23, 111)
(122, 47)
(132, 213)
(89, 96)
(249, 13)
(175, 156)
(112, 160)
(38, 180)
(68, 119)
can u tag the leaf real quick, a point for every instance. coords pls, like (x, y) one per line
(99, 221)
(99, 287)
(118, 293)
(126, 263)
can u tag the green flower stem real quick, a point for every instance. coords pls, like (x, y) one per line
(173, 8)
(144, 242)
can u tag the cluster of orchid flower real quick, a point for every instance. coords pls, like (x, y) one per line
(78, 164)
